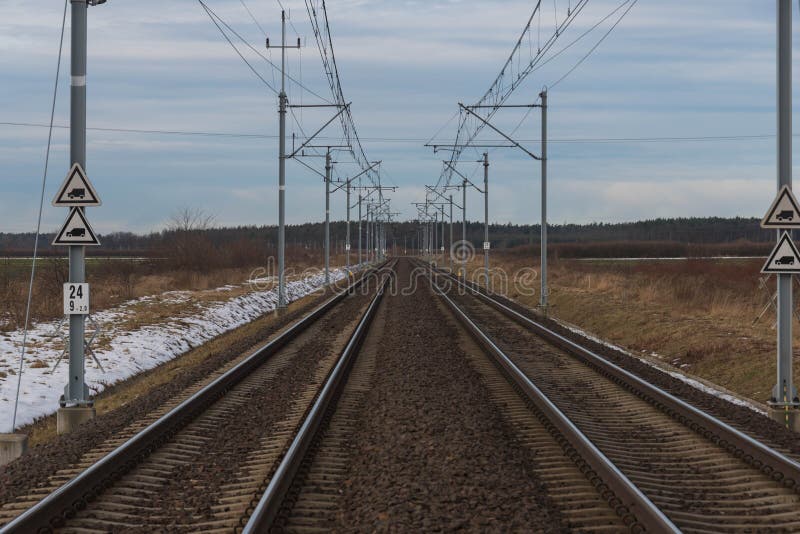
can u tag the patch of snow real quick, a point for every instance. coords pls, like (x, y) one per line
(674, 374)
(127, 353)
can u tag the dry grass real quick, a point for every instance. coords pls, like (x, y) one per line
(696, 315)
(114, 281)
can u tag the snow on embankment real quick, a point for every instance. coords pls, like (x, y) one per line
(127, 352)
(705, 388)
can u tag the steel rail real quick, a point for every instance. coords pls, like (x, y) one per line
(772, 463)
(635, 508)
(270, 503)
(52, 511)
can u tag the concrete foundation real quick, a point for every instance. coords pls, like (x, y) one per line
(12, 446)
(68, 419)
(789, 418)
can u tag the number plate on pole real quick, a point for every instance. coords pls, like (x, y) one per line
(486, 245)
(76, 299)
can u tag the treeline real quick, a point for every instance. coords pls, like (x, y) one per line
(257, 242)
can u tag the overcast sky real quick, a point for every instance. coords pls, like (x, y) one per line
(670, 69)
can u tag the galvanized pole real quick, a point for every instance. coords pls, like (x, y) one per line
(451, 233)
(347, 235)
(328, 217)
(359, 230)
(371, 219)
(435, 232)
(486, 215)
(444, 222)
(543, 298)
(282, 172)
(464, 229)
(784, 392)
(77, 393)
(369, 243)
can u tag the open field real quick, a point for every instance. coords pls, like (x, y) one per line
(697, 315)
(116, 280)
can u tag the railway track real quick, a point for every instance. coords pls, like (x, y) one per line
(668, 464)
(203, 464)
(305, 495)
(611, 452)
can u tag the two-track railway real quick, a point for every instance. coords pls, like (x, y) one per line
(281, 441)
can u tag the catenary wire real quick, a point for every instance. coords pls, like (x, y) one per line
(259, 54)
(591, 50)
(230, 42)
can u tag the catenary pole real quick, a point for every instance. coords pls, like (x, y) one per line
(347, 235)
(367, 236)
(543, 298)
(451, 233)
(486, 216)
(359, 230)
(435, 231)
(464, 229)
(328, 216)
(76, 393)
(784, 392)
(444, 223)
(282, 172)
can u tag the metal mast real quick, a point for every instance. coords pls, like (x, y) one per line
(543, 298)
(784, 393)
(76, 392)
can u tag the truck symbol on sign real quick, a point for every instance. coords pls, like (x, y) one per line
(785, 260)
(81, 232)
(785, 215)
(78, 192)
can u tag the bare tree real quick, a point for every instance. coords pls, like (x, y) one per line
(188, 219)
(187, 243)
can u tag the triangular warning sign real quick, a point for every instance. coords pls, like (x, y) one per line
(784, 257)
(76, 190)
(76, 231)
(784, 211)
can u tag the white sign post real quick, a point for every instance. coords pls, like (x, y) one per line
(76, 190)
(784, 211)
(76, 299)
(76, 231)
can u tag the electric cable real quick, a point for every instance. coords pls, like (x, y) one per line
(415, 140)
(256, 51)
(230, 42)
(589, 53)
(39, 219)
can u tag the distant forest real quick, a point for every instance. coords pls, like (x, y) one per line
(740, 235)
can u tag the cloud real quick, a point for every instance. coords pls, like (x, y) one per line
(670, 69)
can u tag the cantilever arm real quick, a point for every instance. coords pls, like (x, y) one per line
(365, 171)
(487, 123)
(311, 138)
(464, 177)
(311, 168)
(441, 196)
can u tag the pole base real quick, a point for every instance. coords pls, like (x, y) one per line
(786, 415)
(12, 446)
(70, 418)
